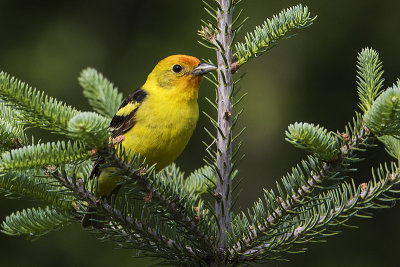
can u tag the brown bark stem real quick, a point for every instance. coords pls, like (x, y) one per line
(224, 149)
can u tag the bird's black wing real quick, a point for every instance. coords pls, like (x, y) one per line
(125, 117)
(122, 121)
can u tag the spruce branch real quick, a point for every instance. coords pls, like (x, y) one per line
(122, 224)
(201, 180)
(383, 117)
(266, 35)
(36, 222)
(220, 36)
(224, 135)
(392, 145)
(41, 110)
(331, 209)
(103, 96)
(35, 186)
(42, 155)
(314, 139)
(90, 128)
(301, 186)
(11, 130)
(370, 80)
(167, 194)
(37, 109)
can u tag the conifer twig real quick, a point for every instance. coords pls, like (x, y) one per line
(305, 192)
(224, 149)
(364, 197)
(173, 205)
(139, 228)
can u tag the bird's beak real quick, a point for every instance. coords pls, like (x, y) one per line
(202, 69)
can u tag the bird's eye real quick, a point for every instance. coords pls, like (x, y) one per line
(177, 68)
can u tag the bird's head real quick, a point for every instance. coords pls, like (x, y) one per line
(179, 73)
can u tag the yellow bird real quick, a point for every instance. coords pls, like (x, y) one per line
(158, 119)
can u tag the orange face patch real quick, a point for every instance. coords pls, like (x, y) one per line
(189, 60)
(182, 59)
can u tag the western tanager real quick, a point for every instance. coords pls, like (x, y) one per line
(158, 119)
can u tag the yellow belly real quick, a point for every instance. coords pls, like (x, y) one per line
(160, 138)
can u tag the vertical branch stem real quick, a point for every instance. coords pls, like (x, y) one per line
(224, 149)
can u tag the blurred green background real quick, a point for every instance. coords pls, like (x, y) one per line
(310, 77)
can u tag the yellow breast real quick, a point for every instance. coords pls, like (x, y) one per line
(161, 137)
